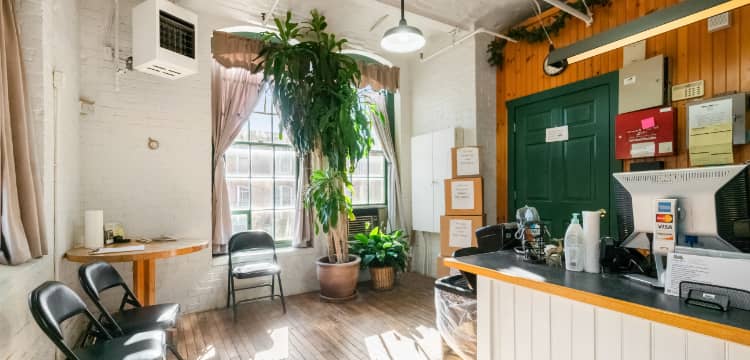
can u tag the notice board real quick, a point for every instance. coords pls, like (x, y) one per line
(645, 133)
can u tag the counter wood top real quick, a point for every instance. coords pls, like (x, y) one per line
(609, 291)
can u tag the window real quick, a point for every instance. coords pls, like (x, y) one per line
(369, 178)
(261, 176)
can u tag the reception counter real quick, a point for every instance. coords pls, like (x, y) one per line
(530, 311)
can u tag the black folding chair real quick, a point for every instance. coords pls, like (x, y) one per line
(100, 276)
(242, 244)
(52, 303)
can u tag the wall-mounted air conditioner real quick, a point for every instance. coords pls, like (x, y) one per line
(164, 36)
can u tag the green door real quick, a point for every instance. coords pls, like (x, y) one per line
(563, 177)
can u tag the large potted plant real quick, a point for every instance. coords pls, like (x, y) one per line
(338, 271)
(383, 253)
(315, 88)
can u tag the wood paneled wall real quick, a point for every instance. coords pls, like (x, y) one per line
(720, 58)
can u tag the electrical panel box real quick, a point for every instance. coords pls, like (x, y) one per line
(643, 85)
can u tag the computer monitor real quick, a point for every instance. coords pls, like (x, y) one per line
(713, 206)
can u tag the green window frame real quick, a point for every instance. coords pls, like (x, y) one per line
(262, 176)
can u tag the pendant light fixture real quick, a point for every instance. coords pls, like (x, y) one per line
(402, 38)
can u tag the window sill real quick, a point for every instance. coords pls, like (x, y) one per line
(223, 260)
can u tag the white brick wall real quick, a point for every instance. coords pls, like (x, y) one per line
(456, 88)
(49, 40)
(167, 191)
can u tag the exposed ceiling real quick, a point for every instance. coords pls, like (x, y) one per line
(363, 22)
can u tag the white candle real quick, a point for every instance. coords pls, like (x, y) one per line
(93, 229)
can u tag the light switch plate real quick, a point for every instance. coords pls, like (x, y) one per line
(688, 90)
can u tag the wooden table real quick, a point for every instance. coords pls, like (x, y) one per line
(144, 262)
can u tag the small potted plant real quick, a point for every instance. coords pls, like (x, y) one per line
(383, 254)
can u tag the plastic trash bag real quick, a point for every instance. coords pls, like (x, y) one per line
(456, 315)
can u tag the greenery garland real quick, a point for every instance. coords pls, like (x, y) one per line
(495, 49)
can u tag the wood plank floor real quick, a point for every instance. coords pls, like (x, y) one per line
(396, 324)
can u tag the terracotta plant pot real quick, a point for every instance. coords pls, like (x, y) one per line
(383, 278)
(338, 282)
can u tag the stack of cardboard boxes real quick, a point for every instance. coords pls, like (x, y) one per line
(464, 206)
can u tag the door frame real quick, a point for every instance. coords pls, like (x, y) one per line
(612, 80)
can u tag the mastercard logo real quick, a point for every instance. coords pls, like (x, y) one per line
(664, 218)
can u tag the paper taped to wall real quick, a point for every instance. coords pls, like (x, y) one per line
(710, 133)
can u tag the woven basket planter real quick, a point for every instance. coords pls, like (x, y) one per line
(383, 278)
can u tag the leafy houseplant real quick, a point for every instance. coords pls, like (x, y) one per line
(315, 88)
(383, 254)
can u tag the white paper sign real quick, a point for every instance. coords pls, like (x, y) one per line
(644, 149)
(556, 134)
(462, 195)
(460, 233)
(707, 270)
(467, 161)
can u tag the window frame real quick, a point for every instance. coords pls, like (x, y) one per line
(274, 146)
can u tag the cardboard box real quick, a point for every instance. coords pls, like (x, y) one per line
(458, 232)
(443, 270)
(465, 161)
(464, 196)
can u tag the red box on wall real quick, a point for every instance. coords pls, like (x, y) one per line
(645, 133)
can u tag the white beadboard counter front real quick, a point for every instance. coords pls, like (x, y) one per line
(536, 312)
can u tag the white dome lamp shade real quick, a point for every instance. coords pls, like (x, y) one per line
(402, 38)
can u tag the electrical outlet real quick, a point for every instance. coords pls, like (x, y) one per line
(719, 22)
(688, 90)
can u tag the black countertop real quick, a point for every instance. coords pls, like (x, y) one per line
(609, 285)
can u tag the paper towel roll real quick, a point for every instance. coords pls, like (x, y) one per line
(93, 229)
(591, 221)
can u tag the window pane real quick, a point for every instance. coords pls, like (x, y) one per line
(260, 128)
(239, 223)
(361, 169)
(377, 164)
(285, 162)
(377, 191)
(263, 220)
(237, 160)
(243, 135)
(261, 162)
(285, 194)
(360, 192)
(239, 194)
(284, 225)
(284, 138)
(262, 195)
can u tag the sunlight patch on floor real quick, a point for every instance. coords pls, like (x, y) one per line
(208, 353)
(280, 348)
(392, 345)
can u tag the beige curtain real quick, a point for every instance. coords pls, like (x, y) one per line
(235, 51)
(21, 227)
(234, 94)
(396, 213)
(379, 77)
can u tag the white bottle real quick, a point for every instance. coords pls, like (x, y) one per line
(575, 251)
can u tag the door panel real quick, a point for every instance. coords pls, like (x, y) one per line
(570, 176)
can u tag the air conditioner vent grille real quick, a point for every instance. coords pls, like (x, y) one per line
(176, 35)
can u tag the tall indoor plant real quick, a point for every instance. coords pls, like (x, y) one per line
(315, 88)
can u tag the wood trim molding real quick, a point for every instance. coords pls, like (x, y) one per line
(725, 332)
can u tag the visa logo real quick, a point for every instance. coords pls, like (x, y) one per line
(665, 207)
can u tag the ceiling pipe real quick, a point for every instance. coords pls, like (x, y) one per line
(467, 37)
(269, 14)
(570, 10)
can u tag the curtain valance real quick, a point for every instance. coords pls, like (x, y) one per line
(231, 50)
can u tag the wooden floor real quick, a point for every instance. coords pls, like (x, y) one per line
(396, 324)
